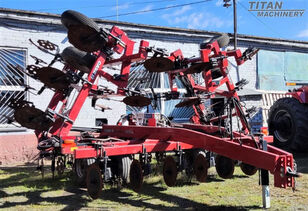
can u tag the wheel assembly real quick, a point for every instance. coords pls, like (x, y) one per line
(80, 168)
(287, 122)
(121, 167)
(224, 166)
(83, 32)
(248, 169)
(77, 59)
(200, 167)
(94, 181)
(170, 171)
(222, 40)
(135, 176)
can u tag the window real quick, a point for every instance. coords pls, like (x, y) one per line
(276, 68)
(12, 81)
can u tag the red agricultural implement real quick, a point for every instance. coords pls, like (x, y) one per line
(123, 152)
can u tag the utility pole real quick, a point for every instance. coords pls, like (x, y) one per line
(235, 24)
(227, 4)
(117, 11)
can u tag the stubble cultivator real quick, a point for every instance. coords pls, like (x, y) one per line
(122, 153)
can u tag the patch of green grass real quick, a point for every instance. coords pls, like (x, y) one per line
(24, 189)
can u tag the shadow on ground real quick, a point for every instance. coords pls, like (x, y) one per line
(76, 198)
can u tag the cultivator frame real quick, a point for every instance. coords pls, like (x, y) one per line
(118, 141)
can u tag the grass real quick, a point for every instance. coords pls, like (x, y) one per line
(22, 188)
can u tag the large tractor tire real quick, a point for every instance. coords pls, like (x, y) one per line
(73, 18)
(124, 167)
(83, 32)
(223, 40)
(80, 170)
(288, 123)
(78, 59)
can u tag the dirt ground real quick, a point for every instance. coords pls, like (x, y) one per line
(22, 188)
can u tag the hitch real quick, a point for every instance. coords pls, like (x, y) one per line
(292, 173)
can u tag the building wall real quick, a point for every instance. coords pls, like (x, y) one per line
(19, 37)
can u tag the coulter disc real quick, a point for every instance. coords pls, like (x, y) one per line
(94, 181)
(136, 176)
(170, 171)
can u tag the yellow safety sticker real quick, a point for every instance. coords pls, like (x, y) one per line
(73, 148)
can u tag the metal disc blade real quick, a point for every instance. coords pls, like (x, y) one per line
(53, 78)
(200, 168)
(32, 118)
(197, 68)
(135, 176)
(159, 64)
(137, 101)
(188, 102)
(170, 171)
(94, 181)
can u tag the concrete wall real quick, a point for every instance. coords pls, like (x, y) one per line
(16, 148)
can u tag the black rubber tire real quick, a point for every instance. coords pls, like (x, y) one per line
(248, 169)
(72, 18)
(78, 59)
(223, 40)
(189, 160)
(83, 32)
(224, 167)
(124, 167)
(80, 170)
(288, 123)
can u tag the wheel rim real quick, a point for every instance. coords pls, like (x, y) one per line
(283, 126)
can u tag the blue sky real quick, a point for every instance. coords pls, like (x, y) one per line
(207, 15)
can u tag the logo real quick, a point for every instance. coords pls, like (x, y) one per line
(95, 70)
(271, 9)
